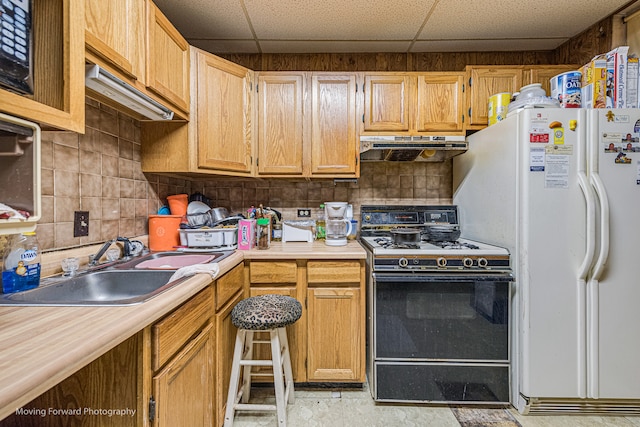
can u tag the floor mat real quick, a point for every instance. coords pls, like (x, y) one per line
(484, 417)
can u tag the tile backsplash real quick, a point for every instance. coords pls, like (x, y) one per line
(100, 172)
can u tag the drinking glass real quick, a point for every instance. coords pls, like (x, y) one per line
(70, 266)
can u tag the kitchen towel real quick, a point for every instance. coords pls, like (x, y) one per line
(190, 270)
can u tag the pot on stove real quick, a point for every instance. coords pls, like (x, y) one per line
(405, 237)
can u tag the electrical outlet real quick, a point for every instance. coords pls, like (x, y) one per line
(80, 223)
(304, 213)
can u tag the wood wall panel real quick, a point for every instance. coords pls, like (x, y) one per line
(579, 50)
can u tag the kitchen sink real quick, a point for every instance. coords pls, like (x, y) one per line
(112, 284)
(106, 287)
(130, 264)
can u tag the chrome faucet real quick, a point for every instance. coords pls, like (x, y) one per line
(126, 252)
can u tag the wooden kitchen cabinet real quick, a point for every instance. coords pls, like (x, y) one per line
(223, 114)
(183, 390)
(307, 125)
(167, 60)
(439, 102)
(217, 139)
(229, 292)
(487, 80)
(327, 342)
(335, 310)
(413, 103)
(280, 277)
(109, 382)
(543, 74)
(121, 44)
(334, 140)
(387, 101)
(281, 114)
(182, 361)
(58, 61)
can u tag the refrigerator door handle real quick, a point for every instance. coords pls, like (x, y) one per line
(590, 249)
(598, 185)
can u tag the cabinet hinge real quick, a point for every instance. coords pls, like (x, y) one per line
(463, 118)
(363, 118)
(469, 111)
(356, 160)
(152, 409)
(257, 161)
(305, 306)
(469, 81)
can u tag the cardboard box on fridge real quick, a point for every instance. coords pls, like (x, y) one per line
(632, 81)
(246, 234)
(594, 83)
(617, 76)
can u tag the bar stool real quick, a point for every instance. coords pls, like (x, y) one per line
(269, 313)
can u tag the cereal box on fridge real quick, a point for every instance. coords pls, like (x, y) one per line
(632, 81)
(617, 76)
(594, 83)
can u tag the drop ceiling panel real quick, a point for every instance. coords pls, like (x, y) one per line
(207, 19)
(337, 19)
(463, 19)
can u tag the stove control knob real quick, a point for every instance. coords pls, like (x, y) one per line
(482, 262)
(367, 217)
(467, 262)
(403, 262)
(442, 262)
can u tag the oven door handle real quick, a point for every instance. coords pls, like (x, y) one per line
(444, 277)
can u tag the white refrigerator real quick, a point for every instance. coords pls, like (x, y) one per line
(560, 188)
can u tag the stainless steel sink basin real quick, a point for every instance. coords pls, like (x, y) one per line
(107, 287)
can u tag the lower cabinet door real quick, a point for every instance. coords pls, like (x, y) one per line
(295, 333)
(334, 335)
(184, 389)
(225, 343)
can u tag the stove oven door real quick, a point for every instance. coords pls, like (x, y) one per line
(441, 337)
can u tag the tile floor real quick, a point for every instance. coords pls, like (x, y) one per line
(356, 408)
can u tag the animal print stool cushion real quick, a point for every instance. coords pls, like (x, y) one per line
(266, 312)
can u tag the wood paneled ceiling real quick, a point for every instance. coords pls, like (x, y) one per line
(332, 26)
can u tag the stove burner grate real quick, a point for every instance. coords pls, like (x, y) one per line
(456, 245)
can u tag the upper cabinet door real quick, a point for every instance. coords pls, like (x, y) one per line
(223, 115)
(543, 73)
(486, 81)
(280, 123)
(167, 60)
(386, 102)
(440, 102)
(334, 143)
(114, 32)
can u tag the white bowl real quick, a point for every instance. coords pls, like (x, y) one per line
(196, 207)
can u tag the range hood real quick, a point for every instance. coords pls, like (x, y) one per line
(411, 148)
(121, 92)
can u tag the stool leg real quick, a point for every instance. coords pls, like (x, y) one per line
(235, 378)
(286, 360)
(278, 381)
(246, 371)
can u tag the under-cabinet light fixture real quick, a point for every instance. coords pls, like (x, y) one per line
(112, 87)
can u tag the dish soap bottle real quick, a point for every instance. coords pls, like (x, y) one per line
(321, 225)
(21, 264)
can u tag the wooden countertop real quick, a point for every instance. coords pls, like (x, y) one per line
(304, 250)
(41, 346)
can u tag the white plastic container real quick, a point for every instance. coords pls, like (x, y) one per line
(297, 231)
